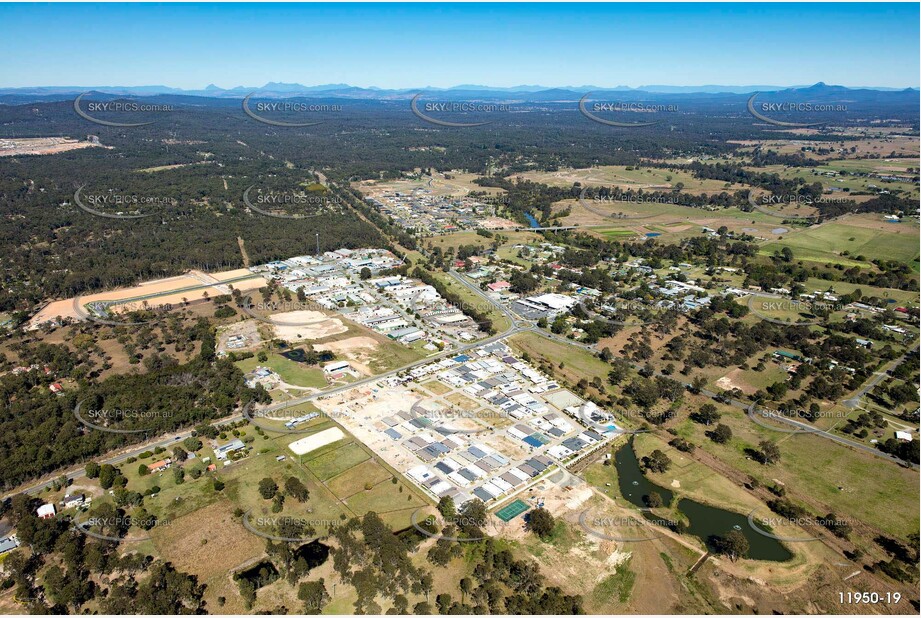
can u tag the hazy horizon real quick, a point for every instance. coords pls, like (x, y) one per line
(405, 46)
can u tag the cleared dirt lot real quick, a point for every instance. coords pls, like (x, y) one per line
(170, 291)
(42, 146)
(294, 325)
(249, 329)
(359, 351)
(360, 410)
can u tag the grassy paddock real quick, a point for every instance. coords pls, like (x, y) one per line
(848, 482)
(827, 242)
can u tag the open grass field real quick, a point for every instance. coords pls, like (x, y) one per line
(356, 478)
(510, 253)
(903, 298)
(322, 506)
(672, 222)
(875, 434)
(881, 166)
(455, 240)
(392, 355)
(830, 476)
(747, 380)
(386, 499)
(576, 362)
(292, 372)
(875, 141)
(337, 458)
(191, 543)
(615, 233)
(635, 178)
(853, 184)
(500, 322)
(858, 236)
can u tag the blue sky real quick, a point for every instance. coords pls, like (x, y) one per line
(441, 45)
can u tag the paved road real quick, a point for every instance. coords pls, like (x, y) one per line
(807, 428)
(132, 451)
(870, 384)
(517, 326)
(514, 319)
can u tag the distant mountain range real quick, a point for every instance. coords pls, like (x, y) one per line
(466, 91)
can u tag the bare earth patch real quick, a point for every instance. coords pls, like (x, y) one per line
(294, 325)
(729, 382)
(359, 351)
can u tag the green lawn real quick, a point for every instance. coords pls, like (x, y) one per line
(827, 242)
(617, 233)
(386, 498)
(297, 374)
(853, 183)
(336, 459)
(577, 363)
(849, 482)
(500, 322)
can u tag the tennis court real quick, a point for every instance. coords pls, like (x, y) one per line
(510, 511)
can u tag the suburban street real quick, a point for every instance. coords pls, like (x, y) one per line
(518, 325)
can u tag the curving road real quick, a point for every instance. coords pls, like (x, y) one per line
(518, 325)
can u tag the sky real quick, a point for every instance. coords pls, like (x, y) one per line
(443, 45)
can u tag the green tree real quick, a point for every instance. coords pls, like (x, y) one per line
(443, 601)
(733, 545)
(446, 507)
(466, 586)
(654, 500)
(706, 415)
(721, 434)
(314, 596)
(657, 461)
(472, 518)
(296, 489)
(541, 522)
(143, 519)
(267, 488)
(770, 452)
(107, 474)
